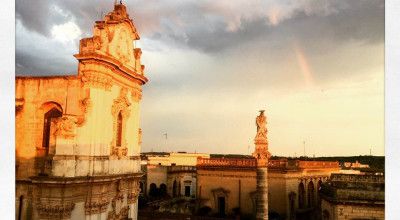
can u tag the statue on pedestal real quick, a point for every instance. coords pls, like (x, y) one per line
(261, 122)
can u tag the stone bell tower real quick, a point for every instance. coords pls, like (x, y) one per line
(262, 155)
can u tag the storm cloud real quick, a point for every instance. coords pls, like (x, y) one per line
(213, 64)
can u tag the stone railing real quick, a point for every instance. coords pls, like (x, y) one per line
(181, 168)
(277, 164)
(318, 164)
(281, 164)
(357, 178)
(226, 162)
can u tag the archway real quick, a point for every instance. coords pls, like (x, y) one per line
(301, 195)
(163, 190)
(311, 194)
(319, 185)
(153, 190)
(174, 189)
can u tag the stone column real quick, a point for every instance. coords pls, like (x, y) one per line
(262, 155)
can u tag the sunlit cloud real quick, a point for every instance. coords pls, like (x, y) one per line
(67, 32)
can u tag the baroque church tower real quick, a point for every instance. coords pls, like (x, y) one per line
(78, 137)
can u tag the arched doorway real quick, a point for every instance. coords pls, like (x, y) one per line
(319, 185)
(301, 196)
(311, 194)
(174, 189)
(292, 208)
(153, 190)
(163, 190)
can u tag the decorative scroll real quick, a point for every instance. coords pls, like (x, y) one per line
(66, 126)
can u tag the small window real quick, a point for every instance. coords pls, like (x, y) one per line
(187, 191)
(119, 129)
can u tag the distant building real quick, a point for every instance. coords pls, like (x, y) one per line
(78, 137)
(228, 185)
(292, 184)
(355, 165)
(353, 196)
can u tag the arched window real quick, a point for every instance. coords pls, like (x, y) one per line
(119, 129)
(310, 194)
(301, 195)
(48, 116)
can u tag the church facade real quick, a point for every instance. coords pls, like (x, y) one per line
(78, 137)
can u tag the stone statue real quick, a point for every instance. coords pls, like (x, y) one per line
(261, 122)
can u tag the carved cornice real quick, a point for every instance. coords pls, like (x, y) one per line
(96, 207)
(66, 126)
(112, 62)
(55, 211)
(97, 80)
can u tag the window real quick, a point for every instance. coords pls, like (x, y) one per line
(187, 191)
(119, 129)
(301, 195)
(311, 194)
(174, 189)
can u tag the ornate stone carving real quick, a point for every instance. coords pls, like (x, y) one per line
(121, 105)
(96, 207)
(122, 214)
(132, 197)
(66, 126)
(140, 137)
(118, 210)
(136, 94)
(97, 80)
(55, 211)
(86, 104)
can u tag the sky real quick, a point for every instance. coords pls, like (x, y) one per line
(315, 66)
